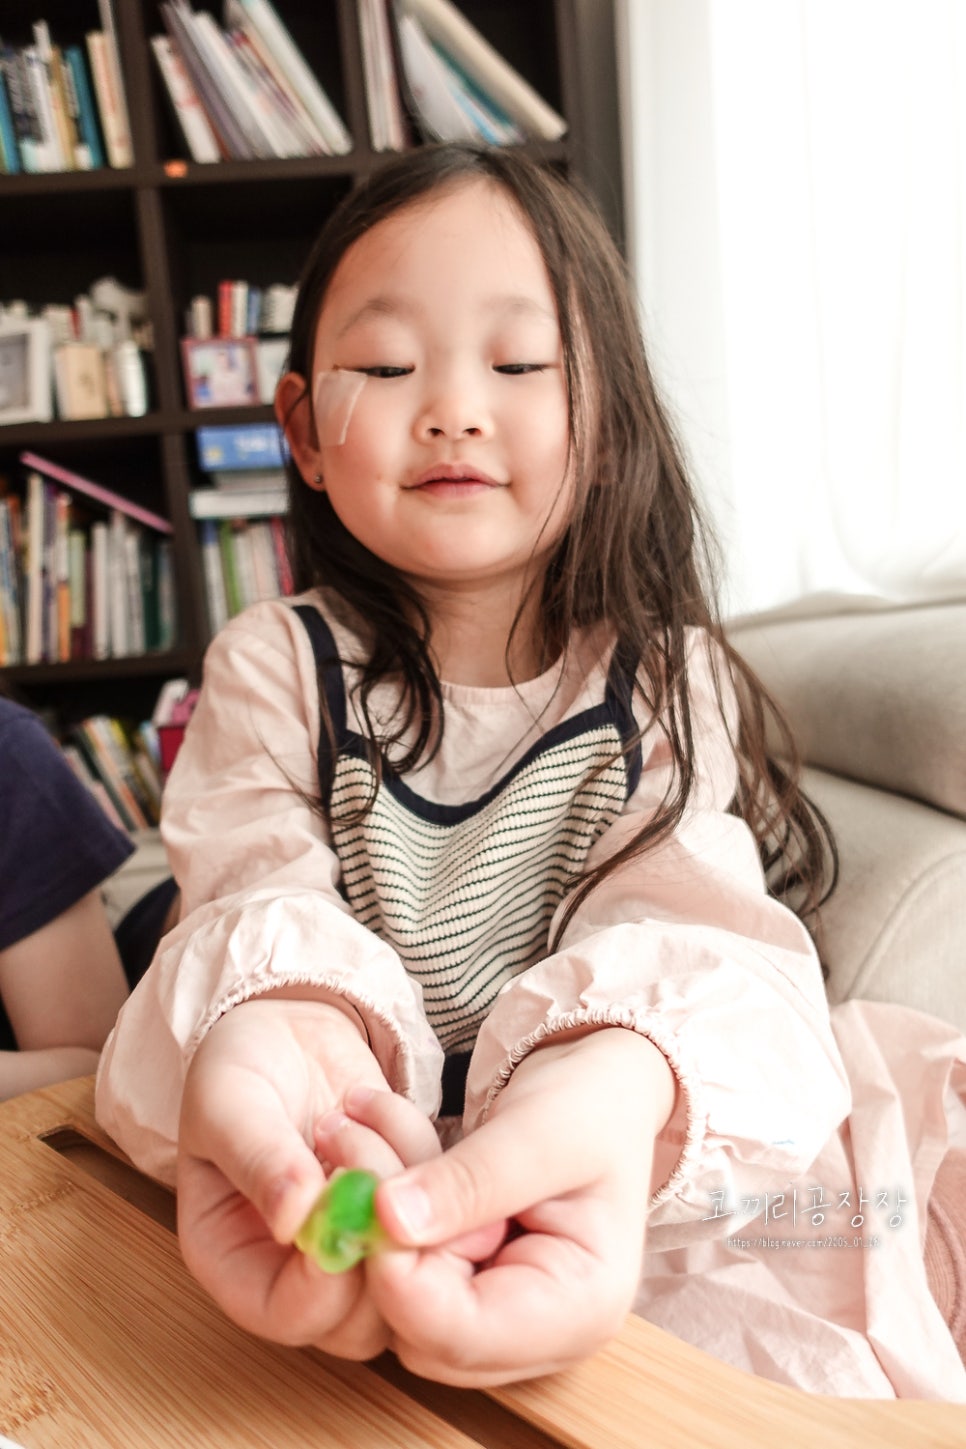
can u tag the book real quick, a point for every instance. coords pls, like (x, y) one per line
(21, 110)
(240, 445)
(61, 581)
(88, 124)
(85, 773)
(241, 99)
(117, 140)
(263, 561)
(134, 593)
(439, 113)
(79, 590)
(237, 503)
(100, 748)
(10, 588)
(34, 571)
(214, 579)
(283, 567)
(446, 26)
(83, 155)
(63, 116)
(116, 81)
(276, 40)
(97, 491)
(177, 17)
(100, 605)
(248, 480)
(9, 148)
(185, 102)
(117, 587)
(388, 126)
(49, 154)
(303, 138)
(258, 52)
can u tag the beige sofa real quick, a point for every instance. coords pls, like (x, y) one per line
(876, 694)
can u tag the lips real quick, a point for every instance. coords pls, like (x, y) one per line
(455, 473)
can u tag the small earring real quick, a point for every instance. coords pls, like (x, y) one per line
(317, 478)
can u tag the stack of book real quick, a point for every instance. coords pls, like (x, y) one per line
(81, 580)
(120, 766)
(61, 108)
(425, 63)
(240, 516)
(243, 90)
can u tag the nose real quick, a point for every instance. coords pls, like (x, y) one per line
(454, 406)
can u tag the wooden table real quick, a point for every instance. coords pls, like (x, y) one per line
(106, 1342)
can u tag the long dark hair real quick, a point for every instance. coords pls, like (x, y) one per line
(635, 554)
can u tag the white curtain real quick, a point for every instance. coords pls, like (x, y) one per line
(795, 177)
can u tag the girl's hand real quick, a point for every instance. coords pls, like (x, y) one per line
(262, 1098)
(567, 1154)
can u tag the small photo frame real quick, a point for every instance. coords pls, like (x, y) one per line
(26, 395)
(220, 372)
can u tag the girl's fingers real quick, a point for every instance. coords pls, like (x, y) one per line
(592, 1091)
(541, 1307)
(244, 1130)
(498, 1172)
(266, 1287)
(393, 1126)
(408, 1131)
(340, 1142)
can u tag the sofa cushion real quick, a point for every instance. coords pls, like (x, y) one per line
(895, 927)
(873, 691)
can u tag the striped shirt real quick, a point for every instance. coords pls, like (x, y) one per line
(465, 893)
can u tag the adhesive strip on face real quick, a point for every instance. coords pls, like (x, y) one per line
(336, 394)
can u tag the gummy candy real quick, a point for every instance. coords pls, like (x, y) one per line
(342, 1228)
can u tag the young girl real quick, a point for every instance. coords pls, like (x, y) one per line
(470, 837)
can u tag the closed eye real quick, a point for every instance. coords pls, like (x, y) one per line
(382, 371)
(520, 369)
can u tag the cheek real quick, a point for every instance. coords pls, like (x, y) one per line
(367, 445)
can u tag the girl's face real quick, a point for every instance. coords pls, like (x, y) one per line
(454, 465)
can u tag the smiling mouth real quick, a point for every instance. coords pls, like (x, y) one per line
(454, 476)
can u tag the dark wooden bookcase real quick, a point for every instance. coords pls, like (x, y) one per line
(175, 229)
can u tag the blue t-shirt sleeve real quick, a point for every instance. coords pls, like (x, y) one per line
(56, 842)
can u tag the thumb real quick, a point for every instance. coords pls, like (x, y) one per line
(490, 1176)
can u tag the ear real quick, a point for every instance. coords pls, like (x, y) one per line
(293, 410)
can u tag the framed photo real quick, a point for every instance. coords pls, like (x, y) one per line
(26, 395)
(220, 372)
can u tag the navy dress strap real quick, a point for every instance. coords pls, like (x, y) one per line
(329, 669)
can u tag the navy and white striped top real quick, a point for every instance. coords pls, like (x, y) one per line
(465, 893)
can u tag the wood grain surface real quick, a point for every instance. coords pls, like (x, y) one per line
(106, 1342)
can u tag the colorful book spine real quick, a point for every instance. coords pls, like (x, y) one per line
(186, 104)
(245, 445)
(88, 124)
(9, 149)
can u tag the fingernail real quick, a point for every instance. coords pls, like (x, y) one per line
(358, 1097)
(412, 1208)
(331, 1122)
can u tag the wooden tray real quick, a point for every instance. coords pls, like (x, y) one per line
(106, 1342)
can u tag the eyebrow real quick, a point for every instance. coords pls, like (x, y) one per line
(510, 304)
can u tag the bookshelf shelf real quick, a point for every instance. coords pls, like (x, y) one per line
(173, 228)
(169, 662)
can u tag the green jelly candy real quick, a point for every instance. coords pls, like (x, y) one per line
(342, 1228)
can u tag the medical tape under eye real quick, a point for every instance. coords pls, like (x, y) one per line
(336, 395)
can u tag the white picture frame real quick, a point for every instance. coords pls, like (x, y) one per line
(26, 394)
